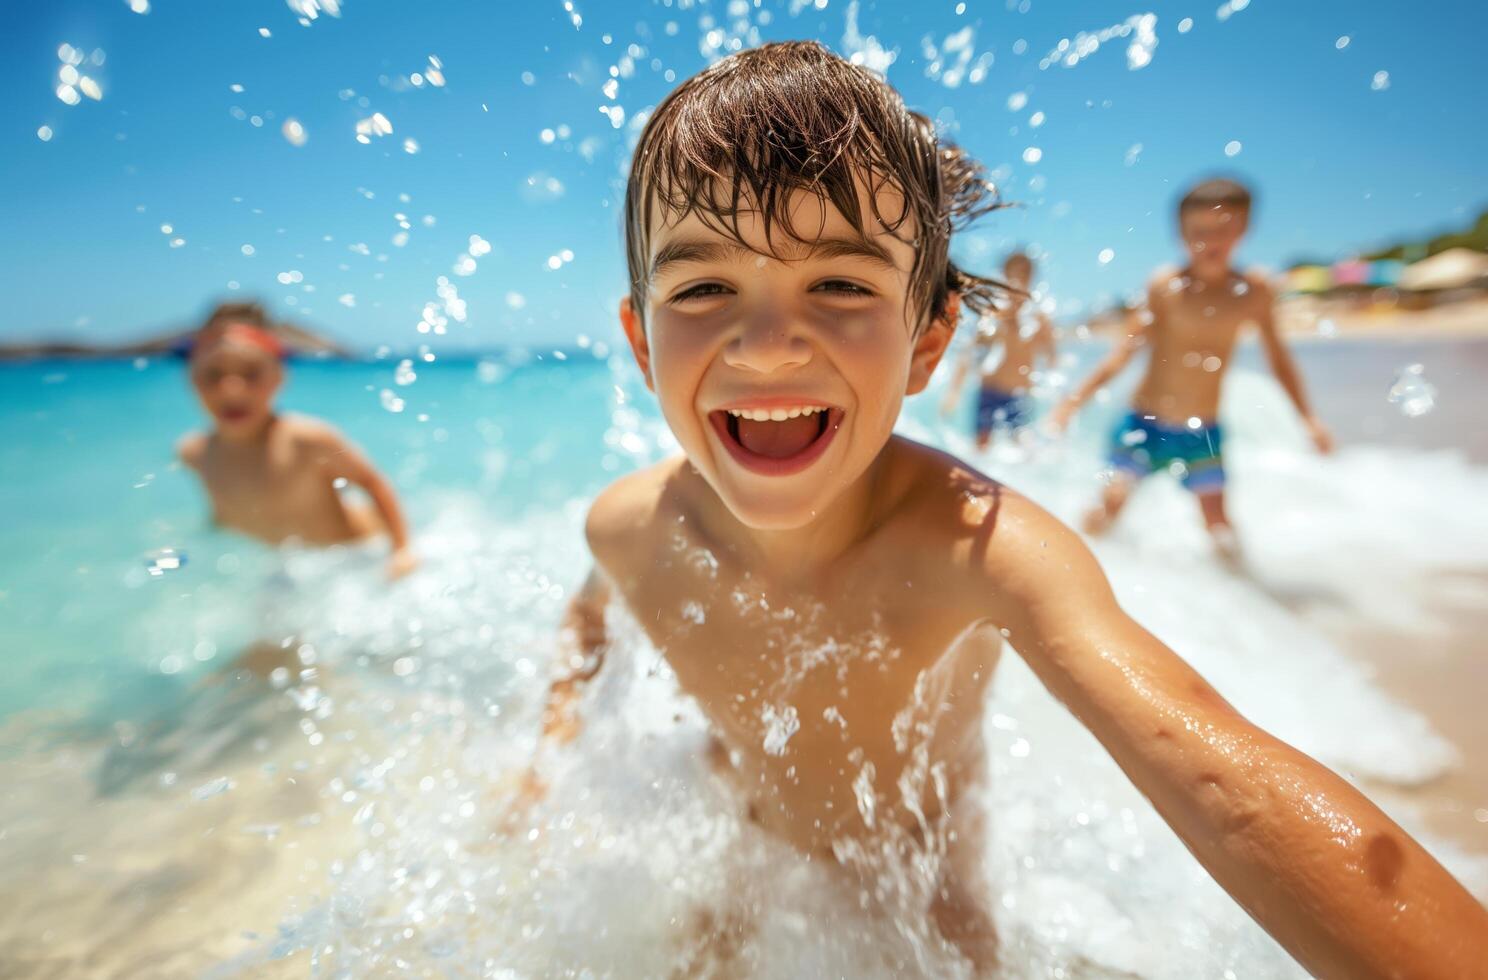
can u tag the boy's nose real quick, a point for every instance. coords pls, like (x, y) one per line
(767, 342)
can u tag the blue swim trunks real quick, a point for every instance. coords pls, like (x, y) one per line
(998, 409)
(1142, 445)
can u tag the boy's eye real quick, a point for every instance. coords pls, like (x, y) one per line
(702, 290)
(841, 287)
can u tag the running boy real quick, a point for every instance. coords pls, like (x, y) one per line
(1026, 336)
(275, 477)
(835, 597)
(1191, 320)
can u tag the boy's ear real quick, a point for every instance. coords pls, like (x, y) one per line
(930, 346)
(635, 332)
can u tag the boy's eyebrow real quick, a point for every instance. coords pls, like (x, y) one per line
(694, 250)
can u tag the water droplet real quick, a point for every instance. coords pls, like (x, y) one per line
(163, 560)
(780, 724)
(390, 400)
(294, 132)
(1033, 155)
(1380, 82)
(404, 373)
(1411, 392)
(1106, 255)
(215, 787)
(1232, 148)
(44, 134)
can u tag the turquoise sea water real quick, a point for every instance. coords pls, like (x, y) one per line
(154, 812)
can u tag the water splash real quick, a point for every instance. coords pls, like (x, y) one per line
(1140, 28)
(1411, 392)
(781, 724)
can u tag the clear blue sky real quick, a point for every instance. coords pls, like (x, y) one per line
(1340, 163)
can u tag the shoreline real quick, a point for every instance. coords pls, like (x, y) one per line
(1441, 674)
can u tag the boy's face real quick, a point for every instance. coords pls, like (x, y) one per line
(782, 377)
(236, 382)
(1210, 234)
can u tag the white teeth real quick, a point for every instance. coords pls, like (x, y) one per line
(775, 414)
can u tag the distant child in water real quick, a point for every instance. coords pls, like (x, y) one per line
(271, 476)
(1190, 322)
(835, 597)
(1025, 337)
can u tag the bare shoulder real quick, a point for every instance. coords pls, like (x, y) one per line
(191, 449)
(311, 432)
(953, 500)
(997, 545)
(1160, 283)
(1258, 282)
(625, 514)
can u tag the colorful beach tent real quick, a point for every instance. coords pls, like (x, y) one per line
(1350, 272)
(1385, 272)
(1309, 279)
(1452, 269)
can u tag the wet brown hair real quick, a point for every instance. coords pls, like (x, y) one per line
(252, 314)
(751, 130)
(1216, 193)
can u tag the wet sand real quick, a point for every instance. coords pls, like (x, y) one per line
(1442, 673)
(1444, 676)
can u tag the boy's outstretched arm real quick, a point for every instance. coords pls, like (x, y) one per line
(582, 642)
(1285, 368)
(1324, 871)
(343, 459)
(581, 649)
(1109, 367)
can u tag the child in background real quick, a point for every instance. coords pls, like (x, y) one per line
(835, 597)
(276, 477)
(1190, 322)
(1025, 336)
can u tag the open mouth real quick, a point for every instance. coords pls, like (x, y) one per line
(776, 441)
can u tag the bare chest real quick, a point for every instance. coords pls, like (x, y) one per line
(276, 490)
(811, 687)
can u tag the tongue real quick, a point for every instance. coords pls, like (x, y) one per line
(779, 440)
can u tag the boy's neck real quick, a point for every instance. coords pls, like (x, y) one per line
(249, 437)
(1216, 276)
(801, 552)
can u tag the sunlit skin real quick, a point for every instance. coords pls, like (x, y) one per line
(273, 477)
(1190, 324)
(1021, 352)
(870, 588)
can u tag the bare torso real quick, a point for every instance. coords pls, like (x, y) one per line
(1020, 332)
(1191, 339)
(277, 487)
(850, 702)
